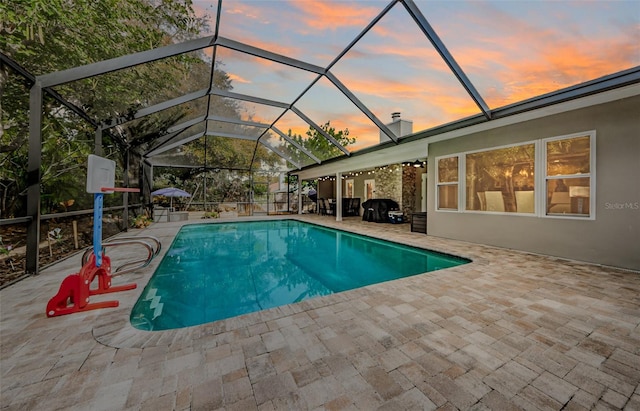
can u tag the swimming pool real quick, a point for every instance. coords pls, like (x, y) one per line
(217, 271)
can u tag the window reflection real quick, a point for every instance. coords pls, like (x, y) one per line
(568, 196)
(568, 176)
(448, 197)
(568, 156)
(448, 170)
(501, 180)
(448, 183)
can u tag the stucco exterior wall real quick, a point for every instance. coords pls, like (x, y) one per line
(613, 238)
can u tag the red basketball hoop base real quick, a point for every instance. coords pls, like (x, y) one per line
(75, 289)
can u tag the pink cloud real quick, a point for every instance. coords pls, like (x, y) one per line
(323, 14)
(512, 59)
(238, 79)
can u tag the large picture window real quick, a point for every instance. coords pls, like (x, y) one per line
(501, 180)
(448, 177)
(568, 176)
(551, 177)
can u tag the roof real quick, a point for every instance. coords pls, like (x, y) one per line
(295, 65)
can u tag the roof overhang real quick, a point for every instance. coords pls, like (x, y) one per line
(416, 145)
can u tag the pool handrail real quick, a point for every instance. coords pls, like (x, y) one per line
(141, 263)
(158, 245)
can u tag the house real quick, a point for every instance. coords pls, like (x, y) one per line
(560, 179)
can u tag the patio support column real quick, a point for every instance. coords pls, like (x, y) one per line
(97, 144)
(339, 196)
(33, 178)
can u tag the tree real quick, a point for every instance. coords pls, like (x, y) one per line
(319, 145)
(54, 35)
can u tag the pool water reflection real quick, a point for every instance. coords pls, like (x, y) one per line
(217, 271)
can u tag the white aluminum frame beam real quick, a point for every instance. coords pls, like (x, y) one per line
(165, 140)
(245, 97)
(362, 107)
(258, 52)
(232, 135)
(238, 121)
(185, 125)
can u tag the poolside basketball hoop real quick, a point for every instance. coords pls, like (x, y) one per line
(101, 177)
(74, 292)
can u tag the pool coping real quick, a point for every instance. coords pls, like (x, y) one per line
(113, 327)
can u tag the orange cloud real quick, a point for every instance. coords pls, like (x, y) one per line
(446, 98)
(551, 66)
(511, 59)
(238, 79)
(246, 11)
(322, 14)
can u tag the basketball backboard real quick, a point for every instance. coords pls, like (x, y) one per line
(101, 173)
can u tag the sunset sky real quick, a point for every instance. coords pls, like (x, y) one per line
(510, 50)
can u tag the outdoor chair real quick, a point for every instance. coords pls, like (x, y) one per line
(483, 201)
(524, 201)
(322, 209)
(354, 206)
(328, 208)
(495, 201)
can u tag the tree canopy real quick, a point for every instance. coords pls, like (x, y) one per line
(50, 36)
(45, 37)
(318, 145)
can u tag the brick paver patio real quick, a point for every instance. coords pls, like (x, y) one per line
(510, 330)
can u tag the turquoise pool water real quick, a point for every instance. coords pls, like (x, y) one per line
(217, 271)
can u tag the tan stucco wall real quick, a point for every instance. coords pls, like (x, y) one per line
(613, 238)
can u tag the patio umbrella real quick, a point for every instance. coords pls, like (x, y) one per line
(170, 192)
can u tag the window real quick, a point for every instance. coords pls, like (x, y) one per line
(501, 180)
(568, 177)
(552, 177)
(348, 185)
(369, 189)
(447, 183)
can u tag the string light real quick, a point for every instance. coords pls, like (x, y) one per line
(393, 167)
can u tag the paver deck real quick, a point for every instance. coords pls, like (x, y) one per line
(510, 330)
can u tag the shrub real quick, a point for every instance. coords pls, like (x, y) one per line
(141, 221)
